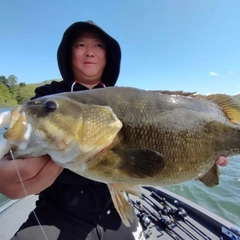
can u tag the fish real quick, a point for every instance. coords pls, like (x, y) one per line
(128, 137)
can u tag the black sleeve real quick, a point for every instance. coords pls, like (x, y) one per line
(52, 88)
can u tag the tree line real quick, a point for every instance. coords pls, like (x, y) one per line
(13, 93)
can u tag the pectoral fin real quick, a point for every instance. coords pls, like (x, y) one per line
(124, 208)
(140, 163)
(211, 178)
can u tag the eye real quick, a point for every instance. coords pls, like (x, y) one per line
(80, 45)
(50, 106)
(100, 45)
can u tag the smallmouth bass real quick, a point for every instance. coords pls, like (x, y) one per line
(126, 137)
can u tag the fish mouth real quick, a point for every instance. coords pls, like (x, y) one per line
(18, 125)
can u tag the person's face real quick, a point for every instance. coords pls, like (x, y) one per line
(88, 58)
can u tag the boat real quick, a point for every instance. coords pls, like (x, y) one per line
(162, 214)
(13, 214)
(165, 215)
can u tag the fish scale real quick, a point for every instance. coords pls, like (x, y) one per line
(126, 137)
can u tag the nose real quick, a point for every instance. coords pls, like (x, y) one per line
(89, 52)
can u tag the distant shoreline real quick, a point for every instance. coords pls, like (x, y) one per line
(7, 106)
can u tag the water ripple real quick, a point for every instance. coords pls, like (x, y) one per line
(223, 199)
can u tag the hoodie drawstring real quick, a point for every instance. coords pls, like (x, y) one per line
(77, 82)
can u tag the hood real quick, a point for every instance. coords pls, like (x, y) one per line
(113, 52)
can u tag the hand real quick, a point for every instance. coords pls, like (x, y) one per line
(222, 161)
(37, 174)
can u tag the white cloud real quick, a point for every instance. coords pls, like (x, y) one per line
(213, 74)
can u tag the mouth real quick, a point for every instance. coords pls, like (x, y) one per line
(18, 125)
(90, 63)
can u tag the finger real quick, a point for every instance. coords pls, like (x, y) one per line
(35, 184)
(27, 168)
(44, 178)
(222, 161)
(48, 172)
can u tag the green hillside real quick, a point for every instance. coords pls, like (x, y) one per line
(13, 93)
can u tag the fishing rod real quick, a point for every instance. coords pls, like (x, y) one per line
(178, 212)
(156, 214)
(146, 216)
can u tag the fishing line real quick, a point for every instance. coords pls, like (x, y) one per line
(25, 191)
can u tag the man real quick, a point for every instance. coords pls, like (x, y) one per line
(70, 206)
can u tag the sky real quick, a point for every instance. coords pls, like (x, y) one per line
(189, 45)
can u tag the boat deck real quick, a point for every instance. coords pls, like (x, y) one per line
(184, 220)
(174, 217)
(13, 214)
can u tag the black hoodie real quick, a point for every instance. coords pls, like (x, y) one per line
(68, 185)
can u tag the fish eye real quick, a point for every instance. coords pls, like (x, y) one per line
(50, 106)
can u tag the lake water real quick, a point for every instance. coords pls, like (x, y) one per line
(223, 199)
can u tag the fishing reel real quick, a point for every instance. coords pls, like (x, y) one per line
(144, 220)
(154, 212)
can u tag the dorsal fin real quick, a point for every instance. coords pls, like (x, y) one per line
(179, 93)
(229, 105)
